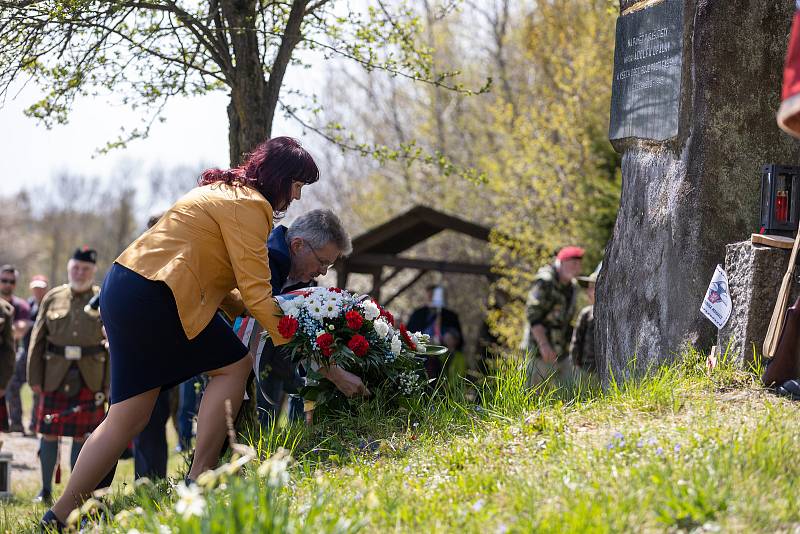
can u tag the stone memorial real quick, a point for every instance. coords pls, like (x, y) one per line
(686, 196)
(647, 73)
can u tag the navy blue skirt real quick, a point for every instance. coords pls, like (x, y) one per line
(147, 344)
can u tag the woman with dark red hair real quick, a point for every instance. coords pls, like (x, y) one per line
(159, 306)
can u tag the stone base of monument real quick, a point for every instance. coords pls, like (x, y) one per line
(5, 474)
(754, 279)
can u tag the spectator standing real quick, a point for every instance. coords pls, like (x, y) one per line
(21, 325)
(68, 365)
(435, 319)
(549, 311)
(6, 357)
(581, 349)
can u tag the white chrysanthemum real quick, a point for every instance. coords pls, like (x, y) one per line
(190, 501)
(330, 308)
(316, 308)
(371, 311)
(381, 328)
(419, 340)
(396, 345)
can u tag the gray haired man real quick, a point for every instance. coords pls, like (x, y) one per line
(297, 255)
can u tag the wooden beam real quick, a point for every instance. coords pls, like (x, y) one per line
(395, 272)
(376, 283)
(403, 288)
(366, 262)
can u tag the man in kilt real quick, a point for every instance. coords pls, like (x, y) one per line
(68, 365)
(7, 356)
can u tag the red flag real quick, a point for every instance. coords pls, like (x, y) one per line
(789, 112)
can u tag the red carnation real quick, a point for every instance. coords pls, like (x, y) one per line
(388, 316)
(359, 345)
(325, 341)
(407, 338)
(334, 290)
(354, 320)
(287, 326)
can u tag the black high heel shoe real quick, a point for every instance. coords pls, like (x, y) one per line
(50, 523)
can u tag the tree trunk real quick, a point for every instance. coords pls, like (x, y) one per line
(254, 100)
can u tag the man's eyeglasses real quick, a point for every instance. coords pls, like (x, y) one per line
(8, 281)
(322, 263)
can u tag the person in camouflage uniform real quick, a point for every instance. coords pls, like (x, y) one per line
(549, 311)
(581, 349)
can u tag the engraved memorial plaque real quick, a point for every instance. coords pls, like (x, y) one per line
(645, 91)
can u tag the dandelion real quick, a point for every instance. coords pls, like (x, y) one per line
(190, 502)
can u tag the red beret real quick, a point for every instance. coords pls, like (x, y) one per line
(570, 253)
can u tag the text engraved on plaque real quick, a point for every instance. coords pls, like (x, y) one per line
(645, 91)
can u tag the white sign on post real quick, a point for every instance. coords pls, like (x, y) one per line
(717, 304)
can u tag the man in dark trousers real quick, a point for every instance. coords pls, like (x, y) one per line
(21, 325)
(297, 255)
(435, 319)
(7, 356)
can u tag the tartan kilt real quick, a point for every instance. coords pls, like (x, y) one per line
(76, 425)
(3, 415)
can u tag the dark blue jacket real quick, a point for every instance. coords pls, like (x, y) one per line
(280, 260)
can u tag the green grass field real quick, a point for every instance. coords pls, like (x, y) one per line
(680, 450)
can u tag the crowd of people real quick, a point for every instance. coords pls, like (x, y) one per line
(168, 332)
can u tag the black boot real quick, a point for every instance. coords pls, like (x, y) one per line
(44, 497)
(50, 523)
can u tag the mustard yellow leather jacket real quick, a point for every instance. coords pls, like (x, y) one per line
(211, 242)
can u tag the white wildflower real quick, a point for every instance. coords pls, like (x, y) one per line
(275, 469)
(381, 328)
(164, 529)
(371, 310)
(190, 502)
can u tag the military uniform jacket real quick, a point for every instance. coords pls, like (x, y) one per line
(7, 354)
(552, 305)
(62, 322)
(581, 350)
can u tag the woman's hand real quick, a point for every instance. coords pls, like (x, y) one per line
(346, 382)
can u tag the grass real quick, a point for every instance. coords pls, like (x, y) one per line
(681, 449)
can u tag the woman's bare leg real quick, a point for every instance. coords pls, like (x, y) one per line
(229, 382)
(105, 445)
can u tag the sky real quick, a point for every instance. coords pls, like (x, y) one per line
(195, 131)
